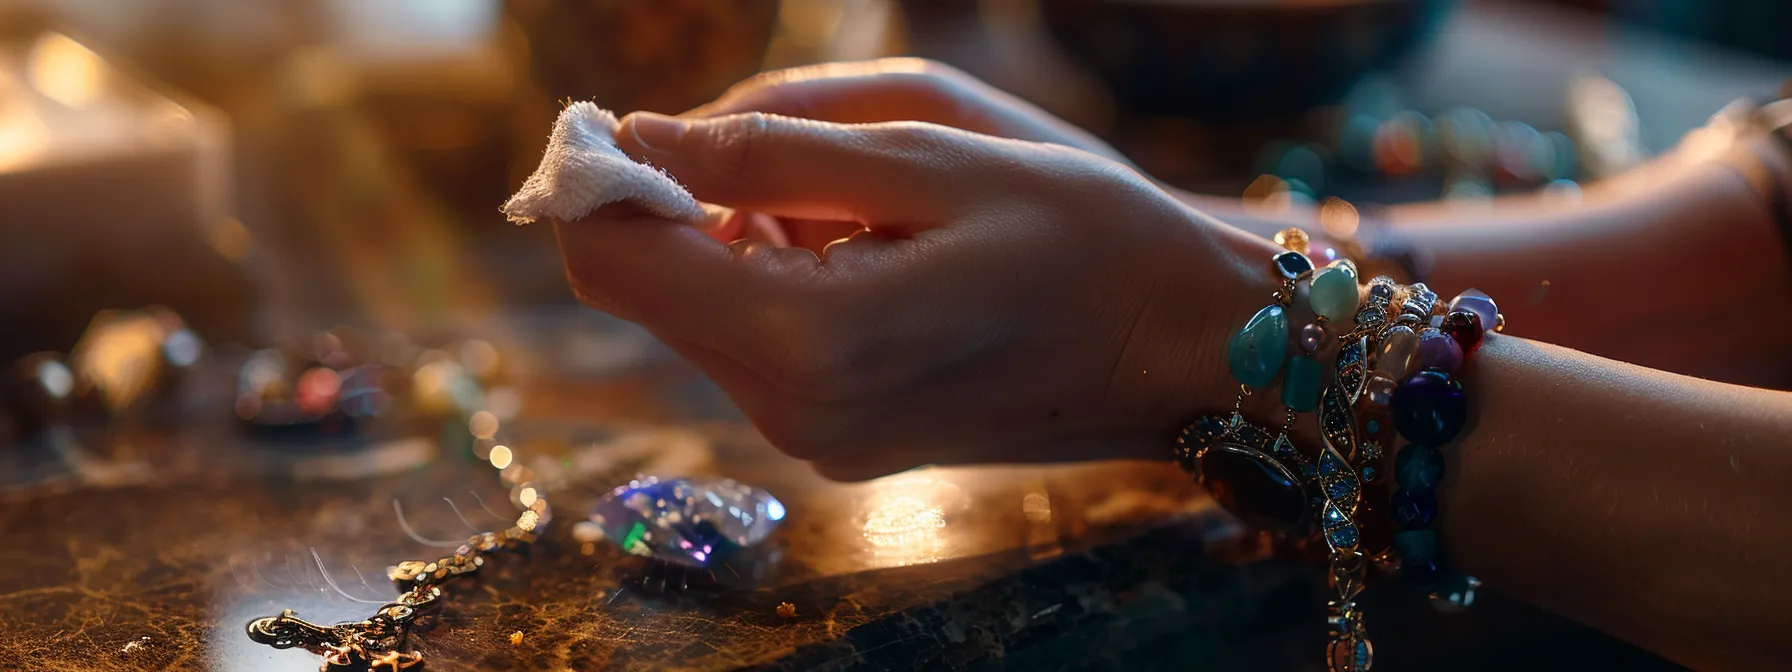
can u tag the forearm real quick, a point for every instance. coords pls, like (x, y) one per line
(1678, 269)
(1647, 504)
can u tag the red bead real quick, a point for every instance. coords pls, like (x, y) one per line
(1465, 327)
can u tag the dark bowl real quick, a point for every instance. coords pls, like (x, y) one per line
(1225, 60)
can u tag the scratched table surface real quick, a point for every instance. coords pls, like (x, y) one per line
(149, 544)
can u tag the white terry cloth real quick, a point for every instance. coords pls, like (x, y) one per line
(583, 169)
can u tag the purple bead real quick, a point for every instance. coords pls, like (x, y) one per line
(1439, 352)
(1311, 336)
(1477, 302)
(1429, 408)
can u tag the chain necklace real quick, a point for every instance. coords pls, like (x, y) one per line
(379, 642)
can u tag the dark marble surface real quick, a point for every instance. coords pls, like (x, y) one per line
(148, 544)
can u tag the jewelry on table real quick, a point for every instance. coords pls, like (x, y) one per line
(380, 640)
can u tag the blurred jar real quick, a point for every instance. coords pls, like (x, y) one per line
(666, 56)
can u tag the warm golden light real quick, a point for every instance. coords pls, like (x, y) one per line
(1037, 507)
(501, 457)
(120, 357)
(905, 530)
(64, 71)
(483, 425)
(1339, 218)
(23, 136)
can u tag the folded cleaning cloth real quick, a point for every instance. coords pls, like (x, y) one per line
(583, 169)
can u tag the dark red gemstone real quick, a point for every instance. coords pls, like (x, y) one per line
(1253, 487)
(1465, 327)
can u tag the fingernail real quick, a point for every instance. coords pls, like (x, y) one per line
(657, 132)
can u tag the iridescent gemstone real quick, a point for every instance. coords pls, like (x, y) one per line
(1333, 293)
(1465, 327)
(1416, 546)
(687, 522)
(1292, 264)
(1253, 487)
(1429, 408)
(1419, 468)
(1413, 511)
(1477, 302)
(1257, 350)
(1311, 337)
(1399, 353)
(1300, 388)
(1439, 352)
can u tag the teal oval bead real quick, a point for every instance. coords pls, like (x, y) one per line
(1416, 546)
(1300, 386)
(1333, 293)
(1256, 351)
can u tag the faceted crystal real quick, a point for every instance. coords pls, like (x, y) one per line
(687, 521)
(1477, 302)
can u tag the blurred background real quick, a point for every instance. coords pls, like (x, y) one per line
(272, 167)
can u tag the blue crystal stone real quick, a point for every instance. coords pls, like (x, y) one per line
(1370, 474)
(1413, 511)
(1430, 408)
(1382, 291)
(1416, 545)
(1256, 351)
(1292, 264)
(1372, 426)
(1419, 468)
(687, 522)
(1340, 532)
(1300, 386)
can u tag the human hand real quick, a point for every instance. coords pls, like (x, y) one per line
(880, 90)
(1004, 300)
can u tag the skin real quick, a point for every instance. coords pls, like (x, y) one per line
(923, 270)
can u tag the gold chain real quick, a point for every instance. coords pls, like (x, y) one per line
(380, 640)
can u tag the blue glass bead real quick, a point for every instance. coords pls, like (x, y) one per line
(1292, 264)
(1373, 426)
(1413, 511)
(1257, 350)
(1332, 292)
(1479, 303)
(1419, 468)
(1423, 573)
(1416, 546)
(1429, 408)
(1370, 474)
(1300, 387)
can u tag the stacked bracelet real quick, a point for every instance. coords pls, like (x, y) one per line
(1430, 410)
(1395, 372)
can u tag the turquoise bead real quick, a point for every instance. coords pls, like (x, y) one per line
(1300, 387)
(1257, 350)
(1333, 293)
(1416, 546)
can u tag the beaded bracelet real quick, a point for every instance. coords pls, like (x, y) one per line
(1430, 410)
(1386, 379)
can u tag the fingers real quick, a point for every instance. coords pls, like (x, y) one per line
(899, 89)
(906, 176)
(676, 279)
(894, 89)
